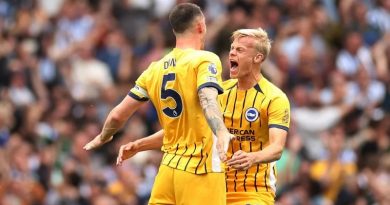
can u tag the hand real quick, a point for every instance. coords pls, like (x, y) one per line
(223, 145)
(96, 142)
(126, 151)
(241, 160)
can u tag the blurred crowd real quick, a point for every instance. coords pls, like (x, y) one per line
(65, 63)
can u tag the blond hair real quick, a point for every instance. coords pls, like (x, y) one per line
(262, 43)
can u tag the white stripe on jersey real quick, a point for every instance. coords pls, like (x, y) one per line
(272, 177)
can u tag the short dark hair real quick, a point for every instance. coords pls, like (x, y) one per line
(183, 15)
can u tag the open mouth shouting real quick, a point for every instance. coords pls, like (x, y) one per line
(233, 67)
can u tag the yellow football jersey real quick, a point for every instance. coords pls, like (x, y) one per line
(172, 85)
(248, 114)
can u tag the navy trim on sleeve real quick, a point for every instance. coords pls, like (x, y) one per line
(214, 85)
(136, 97)
(278, 126)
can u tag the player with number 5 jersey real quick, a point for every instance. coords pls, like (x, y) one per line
(172, 85)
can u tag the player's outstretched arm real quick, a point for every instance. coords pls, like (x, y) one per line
(115, 120)
(213, 114)
(154, 141)
(244, 160)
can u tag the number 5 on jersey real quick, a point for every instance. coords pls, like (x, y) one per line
(166, 93)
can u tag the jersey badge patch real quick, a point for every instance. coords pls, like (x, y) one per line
(213, 68)
(251, 114)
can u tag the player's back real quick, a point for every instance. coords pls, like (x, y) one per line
(172, 84)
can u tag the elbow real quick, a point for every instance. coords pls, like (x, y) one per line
(278, 153)
(278, 156)
(116, 116)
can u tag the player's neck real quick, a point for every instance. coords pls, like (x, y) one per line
(189, 41)
(249, 81)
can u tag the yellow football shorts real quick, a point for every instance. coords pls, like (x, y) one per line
(173, 186)
(249, 198)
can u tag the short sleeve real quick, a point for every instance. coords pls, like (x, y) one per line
(279, 113)
(139, 91)
(209, 73)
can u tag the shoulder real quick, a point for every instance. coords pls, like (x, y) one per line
(200, 57)
(205, 55)
(152, 66)
(272, 91)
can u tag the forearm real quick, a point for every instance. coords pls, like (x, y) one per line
(154, 141)
(111, 126)
(209, 104)
(271, 153)
(115, 121)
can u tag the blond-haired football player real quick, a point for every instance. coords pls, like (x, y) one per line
(183, 86)
(258, 114)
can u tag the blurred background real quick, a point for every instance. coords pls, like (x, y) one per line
(65, 63)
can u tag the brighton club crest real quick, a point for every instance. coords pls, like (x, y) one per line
(251, 114)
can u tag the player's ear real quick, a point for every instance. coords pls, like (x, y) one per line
(259, 57)
(199, 27)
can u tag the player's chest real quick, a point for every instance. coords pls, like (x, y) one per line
(245, 109)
